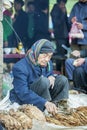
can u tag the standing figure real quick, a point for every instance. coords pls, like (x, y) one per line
(31, 23)
(42, 23)
(79, 15)
(60, 25)
(20, 24)
(7, 23)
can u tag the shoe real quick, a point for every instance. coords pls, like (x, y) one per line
(79, 90)
(73, 92)
(63, 105)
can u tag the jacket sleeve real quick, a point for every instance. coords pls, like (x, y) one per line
(72, 14)
(22, 90)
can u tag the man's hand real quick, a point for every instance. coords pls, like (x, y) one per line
(74, 19)
(79, 25)
(78, 62)
(76, 53)
(52, 81)
(51, 107)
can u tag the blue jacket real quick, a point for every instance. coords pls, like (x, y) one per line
(25, 73)
(79, 11)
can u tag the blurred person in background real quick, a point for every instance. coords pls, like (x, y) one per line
(7, 31)
(42, 22)
(7, 21)
(76, 67)
(31, 23)
(79, 15)
(60, 27)
(20, 24)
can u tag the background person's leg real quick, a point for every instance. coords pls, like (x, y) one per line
(80, 79)
(69, 67)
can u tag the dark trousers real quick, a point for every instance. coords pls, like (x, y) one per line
(80, 79)
(59, 42)
(1, 128)
(59, 91)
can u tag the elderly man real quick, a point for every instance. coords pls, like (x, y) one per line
(34, 81)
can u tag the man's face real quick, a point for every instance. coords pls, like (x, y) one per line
(17, 6)
(44, 58)
(62, 5)
(31, 8)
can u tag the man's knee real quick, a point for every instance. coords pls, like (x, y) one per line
(64, 79)
(78, 70)
(61, 80)
(69, 61)
(44, 82)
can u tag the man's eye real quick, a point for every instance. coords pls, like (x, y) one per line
(44, 55)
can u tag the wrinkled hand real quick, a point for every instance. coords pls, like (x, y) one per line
(76, 53)
(78, 62)
(52, 81)
(51, 107)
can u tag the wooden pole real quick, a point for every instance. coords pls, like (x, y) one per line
(1, 47)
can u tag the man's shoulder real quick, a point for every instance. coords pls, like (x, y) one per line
(21, 63)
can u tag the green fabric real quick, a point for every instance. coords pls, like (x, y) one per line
(6, 28)
(31, 25)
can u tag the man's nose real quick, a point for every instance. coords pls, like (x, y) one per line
(47, 58)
